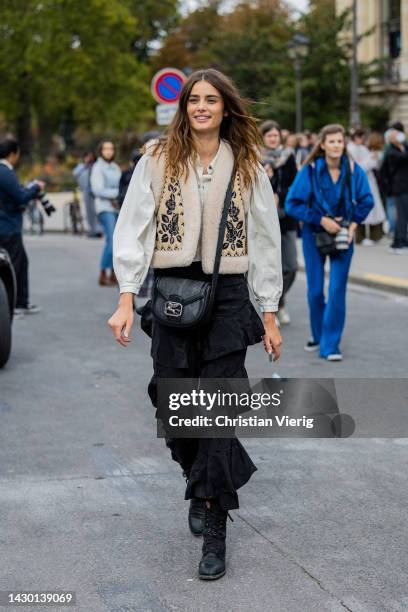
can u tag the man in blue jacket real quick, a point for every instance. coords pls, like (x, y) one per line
(13, 200)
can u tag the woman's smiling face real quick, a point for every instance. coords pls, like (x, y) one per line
(205, 108)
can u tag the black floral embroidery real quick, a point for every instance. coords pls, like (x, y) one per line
(170, 229)
(235, 238)
(233, 210)
(233, 235)
(170, 226)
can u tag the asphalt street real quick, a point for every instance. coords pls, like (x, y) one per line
(91, 502)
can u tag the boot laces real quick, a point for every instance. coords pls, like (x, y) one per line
(215, 530)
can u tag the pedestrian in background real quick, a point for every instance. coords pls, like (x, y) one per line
(14, 199)
(82, 173)
(331, 195)
(127, 175)
(395, 175)
(105, 177)
(145, 289)
(280, 165)
(302, 150)
(170, 217)
(362, 155)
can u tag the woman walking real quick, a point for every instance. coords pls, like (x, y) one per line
(331, 195)
(280, 166)
(368, 162)
(105, 177)
(170, 219)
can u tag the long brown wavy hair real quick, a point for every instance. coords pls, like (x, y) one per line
(317, 151)
(238, 128)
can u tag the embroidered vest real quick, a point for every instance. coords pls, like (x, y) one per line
(179, 220)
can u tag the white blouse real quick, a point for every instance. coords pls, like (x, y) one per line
(135, 234)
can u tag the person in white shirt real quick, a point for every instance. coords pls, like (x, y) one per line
(363, 156)
(169, 220)
(105, 177)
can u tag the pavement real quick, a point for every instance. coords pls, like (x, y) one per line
(91, 501)
(374, 266)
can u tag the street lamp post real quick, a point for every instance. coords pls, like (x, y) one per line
(354, 106)
(298, 49)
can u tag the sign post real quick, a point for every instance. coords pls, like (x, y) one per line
(166, 89)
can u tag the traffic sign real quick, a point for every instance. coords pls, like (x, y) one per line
(167, 85)
(165, 113)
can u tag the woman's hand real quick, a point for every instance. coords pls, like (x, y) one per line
(272, 339)
(330, 225)
(122, 319)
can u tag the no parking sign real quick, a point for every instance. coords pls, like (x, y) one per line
(167, 85)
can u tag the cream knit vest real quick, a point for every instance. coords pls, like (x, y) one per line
(179, 223)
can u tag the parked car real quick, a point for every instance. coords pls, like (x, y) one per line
(7, 303)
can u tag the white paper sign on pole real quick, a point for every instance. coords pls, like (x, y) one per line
(165, 113)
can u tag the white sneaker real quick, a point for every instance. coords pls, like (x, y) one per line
(283, 317)
(30, 309)
(367, 242)
(335, 357)
(396, 251)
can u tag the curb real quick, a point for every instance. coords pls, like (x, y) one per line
(390, 284)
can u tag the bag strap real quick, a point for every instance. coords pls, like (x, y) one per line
(221, 231)
(347, 182)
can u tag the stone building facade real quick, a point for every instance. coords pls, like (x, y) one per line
(388, 42)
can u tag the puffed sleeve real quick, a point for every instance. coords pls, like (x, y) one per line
(264, 245)
(134, 236)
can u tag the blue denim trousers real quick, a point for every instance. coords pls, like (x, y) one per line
(391, 212)
(327, 317)
(108, 222)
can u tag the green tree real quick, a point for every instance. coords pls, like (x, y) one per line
(155, 19)
(250, 44)
(66, 58)
(189, 45)
(326, 80)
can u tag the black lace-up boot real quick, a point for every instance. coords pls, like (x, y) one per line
(212, 564)
(196, 516)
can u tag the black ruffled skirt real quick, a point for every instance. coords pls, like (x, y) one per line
(214, 467)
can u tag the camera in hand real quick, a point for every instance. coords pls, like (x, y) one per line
(46, 204)
(341, 238)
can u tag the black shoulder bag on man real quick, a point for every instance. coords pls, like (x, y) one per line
(333, 244)
(182, 302)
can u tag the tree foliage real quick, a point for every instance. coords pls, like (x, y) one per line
(250, 44)
(67, 58)
(89, 64)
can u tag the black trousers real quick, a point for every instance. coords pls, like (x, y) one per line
(14, 246)
(289, 262)
(401, 223)
(213, 467)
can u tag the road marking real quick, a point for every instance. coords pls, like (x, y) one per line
(386, 280)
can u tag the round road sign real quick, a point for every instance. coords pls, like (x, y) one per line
(167, 85)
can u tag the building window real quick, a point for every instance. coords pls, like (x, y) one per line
(391, 28)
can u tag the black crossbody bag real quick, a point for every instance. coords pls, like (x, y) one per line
(185, 303)
(326, 242)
